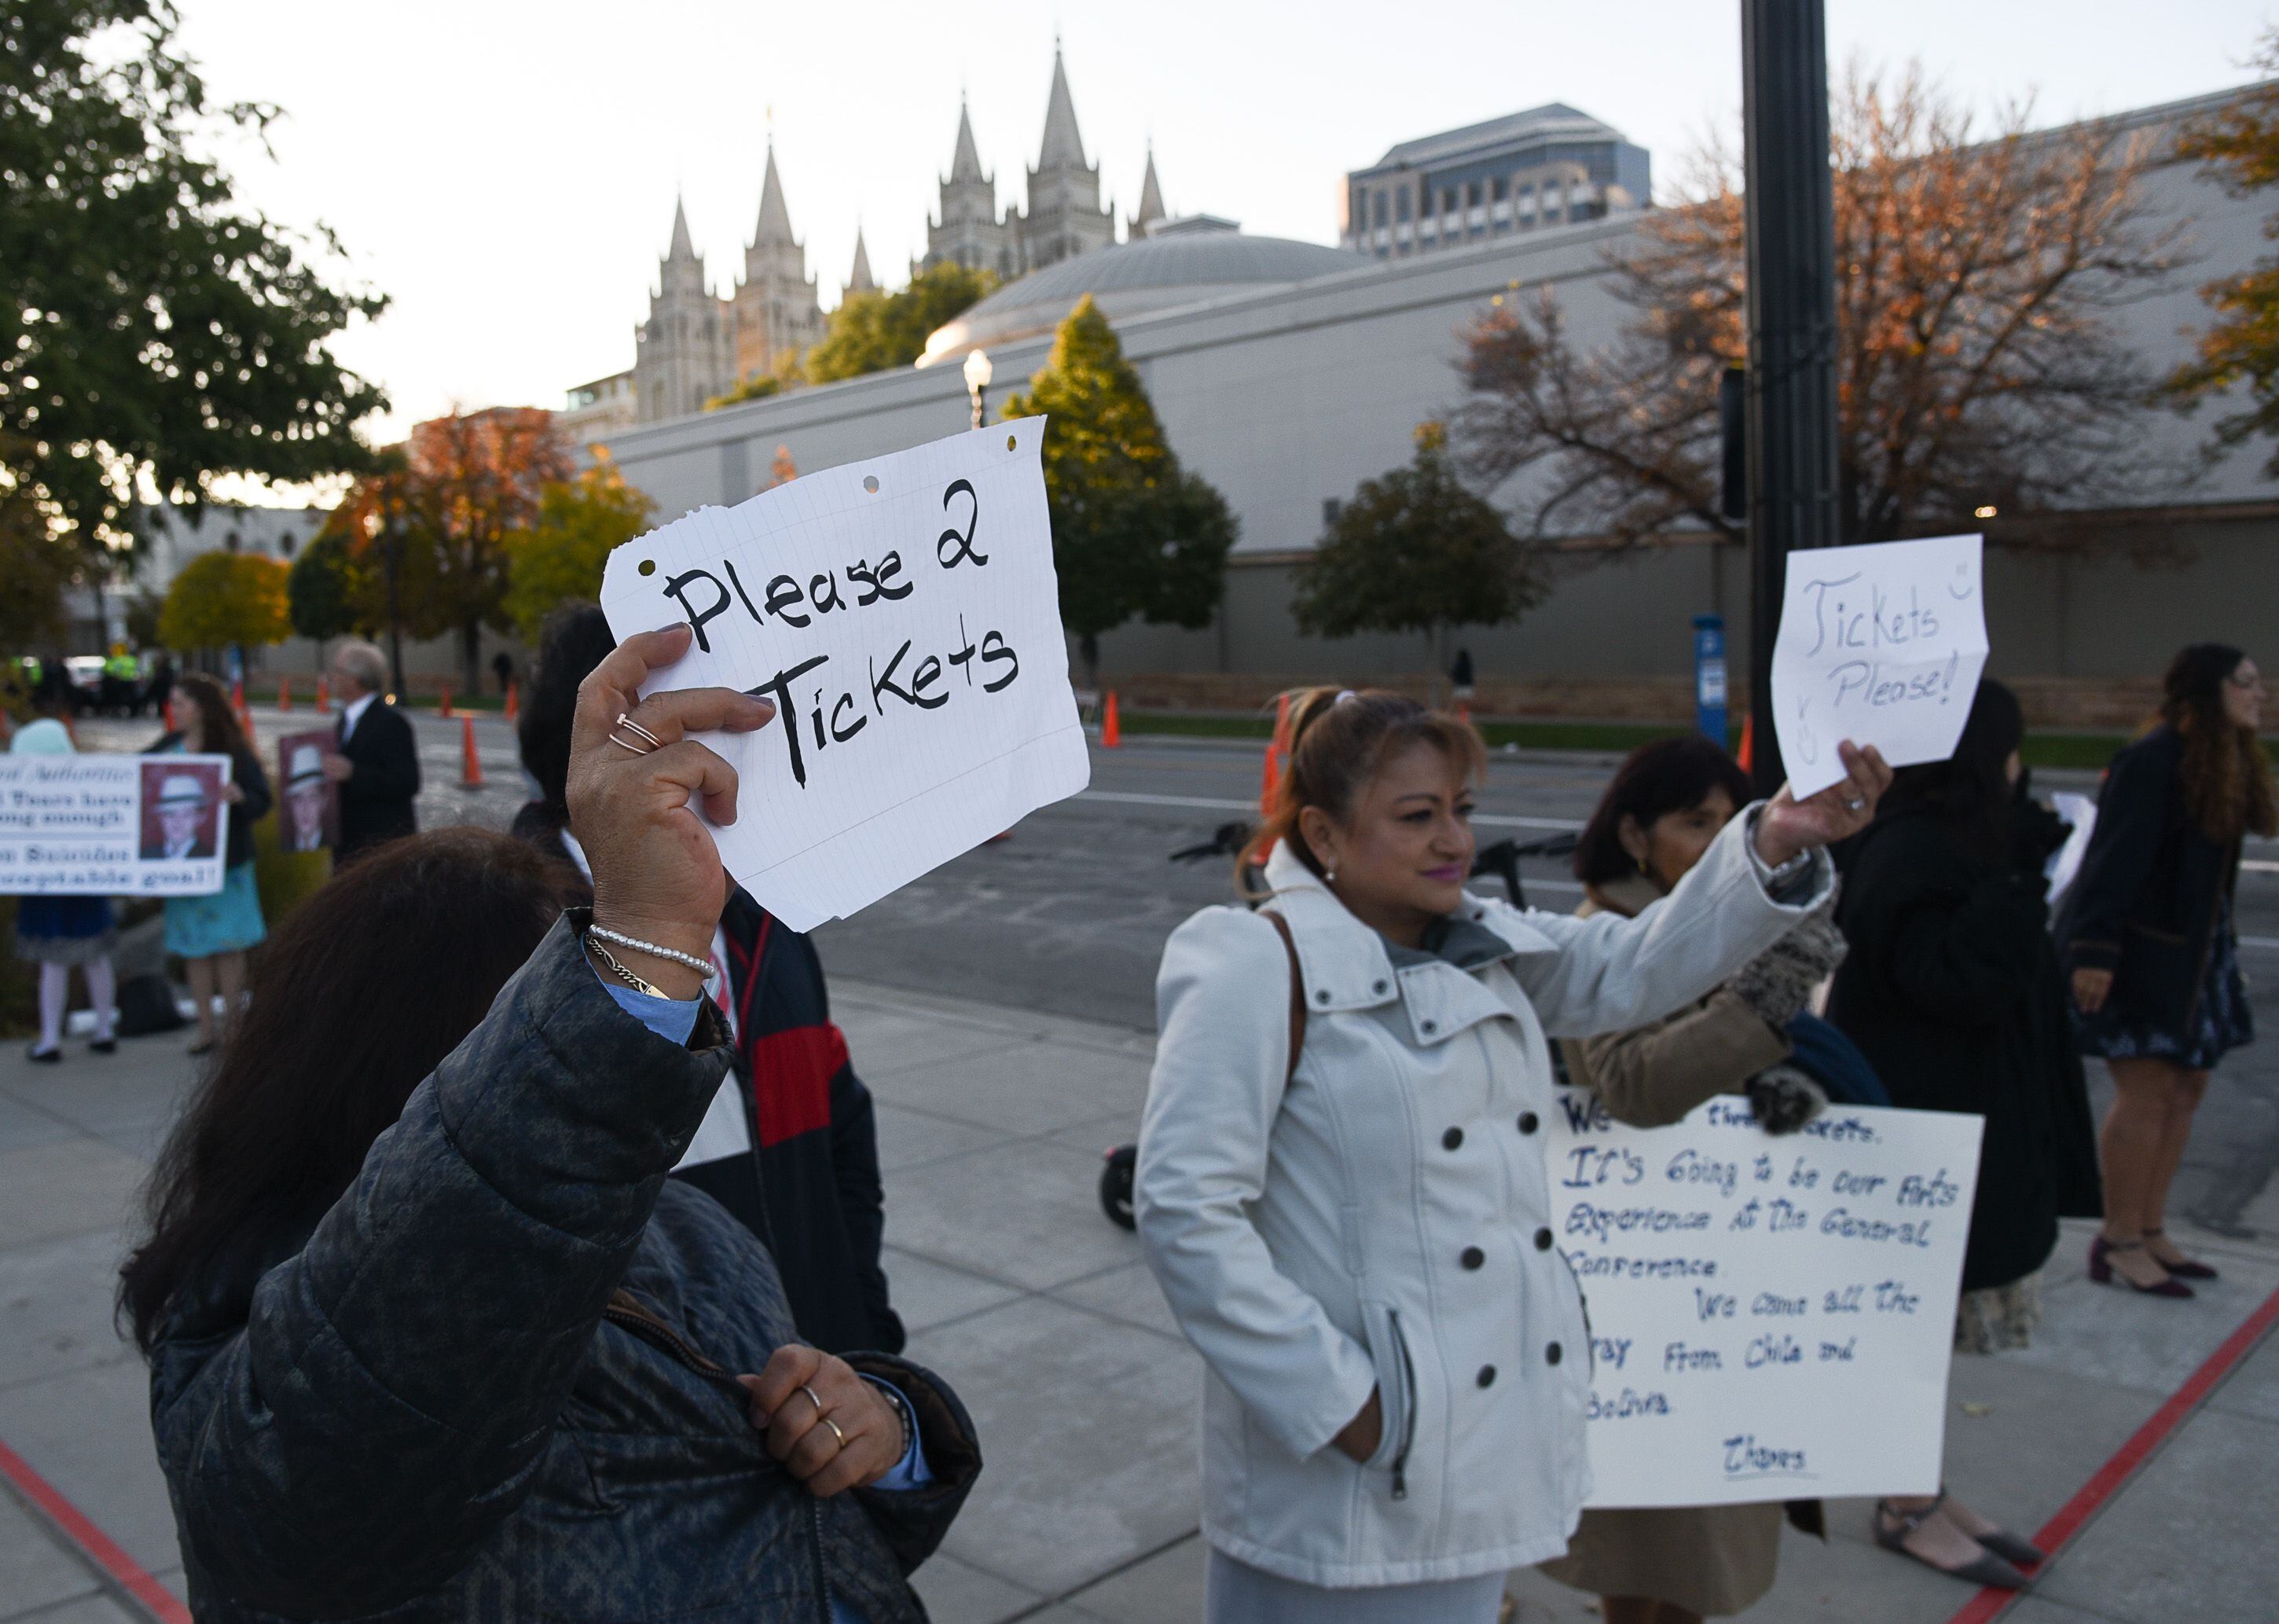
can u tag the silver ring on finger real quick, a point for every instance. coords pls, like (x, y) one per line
(1856, 804)
(813, 1400)
(626, 744)
(835, 1433)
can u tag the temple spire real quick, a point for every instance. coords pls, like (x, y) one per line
(1063, 146)
(965, 163)
(859, 279)
(1151, 200)
(683, 248)
(775, 217)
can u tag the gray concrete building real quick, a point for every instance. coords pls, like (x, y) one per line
(1287, 381)
(1530, 170)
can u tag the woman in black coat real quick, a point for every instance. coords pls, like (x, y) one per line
(2148, 935)
(1953, 991)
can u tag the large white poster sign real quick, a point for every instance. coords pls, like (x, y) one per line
(1770, 1318)
(112, 825)
(903, 615)
(1880, 644)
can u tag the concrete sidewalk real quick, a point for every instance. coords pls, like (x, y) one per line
(991, 1123)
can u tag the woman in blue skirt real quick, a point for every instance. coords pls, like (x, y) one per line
(57, 933)
(209, 934)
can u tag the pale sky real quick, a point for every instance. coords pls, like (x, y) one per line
(505, 169)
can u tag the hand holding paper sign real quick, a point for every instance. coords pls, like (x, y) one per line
(657, 873)
(1881, 644)
(904, 615)
(1788, 825)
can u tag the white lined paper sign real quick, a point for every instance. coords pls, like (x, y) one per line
(1881, 644)
(904, 615)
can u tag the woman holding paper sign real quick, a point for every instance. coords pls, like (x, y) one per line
(2153, 948)
(210, 935)
(1667, 802)
(458, 1348)
(1339, 1188)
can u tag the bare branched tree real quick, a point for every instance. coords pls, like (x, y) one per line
(1977, 361)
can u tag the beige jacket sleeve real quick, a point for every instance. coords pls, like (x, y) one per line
(1653, 1075)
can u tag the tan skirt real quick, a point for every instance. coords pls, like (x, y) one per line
(1710, 1559)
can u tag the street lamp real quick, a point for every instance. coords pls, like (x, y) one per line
(977, 372)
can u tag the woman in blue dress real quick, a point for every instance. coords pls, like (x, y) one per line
(211, 934)
(57, 933)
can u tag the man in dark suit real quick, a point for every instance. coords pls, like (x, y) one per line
(377, 761)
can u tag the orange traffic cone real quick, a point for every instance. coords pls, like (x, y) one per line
(444, 709)
(1270, 780)
(1111, 727)
(1748, 744)
(513, 699)
(471, 764)
(284, 694)
(324, 695)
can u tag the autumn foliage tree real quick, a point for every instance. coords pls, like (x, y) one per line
(464, 490)
(2238, 144)
(226, 601)
(559, 558)
(1979, 272)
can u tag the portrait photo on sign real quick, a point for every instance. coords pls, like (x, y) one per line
(313, 806)
(181, 810)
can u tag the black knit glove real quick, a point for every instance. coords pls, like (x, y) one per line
(1778, 984)
(1784, 1098)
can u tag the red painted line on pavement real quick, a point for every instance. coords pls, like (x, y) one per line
(1991, 1604)
(98, 1546)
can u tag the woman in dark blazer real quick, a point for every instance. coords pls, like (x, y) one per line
(1953, 992)
(2148, 934)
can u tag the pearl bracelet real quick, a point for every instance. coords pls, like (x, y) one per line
(703, 967)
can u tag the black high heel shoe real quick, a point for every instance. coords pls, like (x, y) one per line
(1987, 1568)
(2185, 1269)
(2101, 1269)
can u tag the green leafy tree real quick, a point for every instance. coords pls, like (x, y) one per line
(1133, 534)
(756, 387)
(875, 332)
(559, 558)
(327, 593)
(154, 329)
(35, 567)
(226, 600)
(2238, 144)
(1416, 551)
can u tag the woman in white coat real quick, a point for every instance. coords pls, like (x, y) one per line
(1341, 1186)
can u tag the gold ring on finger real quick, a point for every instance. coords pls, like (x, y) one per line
(835, 1433)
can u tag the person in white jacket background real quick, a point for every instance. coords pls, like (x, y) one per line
(1348, 1209)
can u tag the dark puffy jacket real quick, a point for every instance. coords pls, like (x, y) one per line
(434, 1412)
(1953, 993)
(2151, 889)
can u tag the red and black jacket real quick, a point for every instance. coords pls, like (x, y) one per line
(811, 1188)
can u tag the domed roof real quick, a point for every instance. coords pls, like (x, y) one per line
(1183, 262)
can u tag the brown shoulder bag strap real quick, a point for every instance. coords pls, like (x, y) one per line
(1297, 991)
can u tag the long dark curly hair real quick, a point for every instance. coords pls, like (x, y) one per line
(2227, 777)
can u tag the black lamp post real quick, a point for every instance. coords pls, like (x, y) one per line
(1792, 375)
(391, 557)
(977, 374)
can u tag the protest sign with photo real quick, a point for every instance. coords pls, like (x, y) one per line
(903, 616)
(309, 818)
(1770, 1318)
(112, 825)
(1881, 644)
